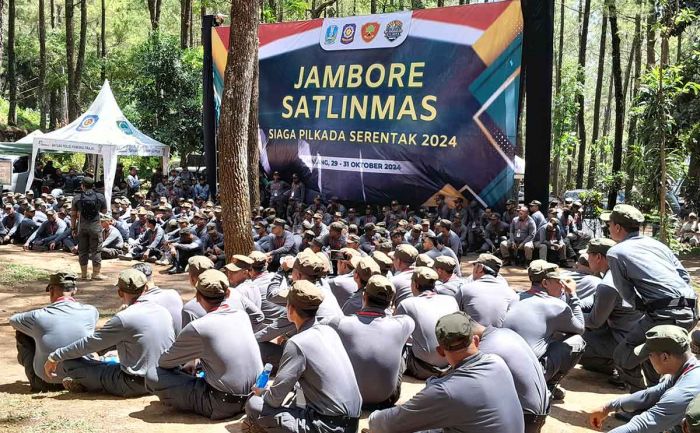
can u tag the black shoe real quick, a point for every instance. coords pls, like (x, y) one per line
(615, 381)
(174, 271)
(558, 393)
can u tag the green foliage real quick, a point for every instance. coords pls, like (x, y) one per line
(564, 109)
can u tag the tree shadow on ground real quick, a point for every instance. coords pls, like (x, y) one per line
(17, 387)
(158, 413)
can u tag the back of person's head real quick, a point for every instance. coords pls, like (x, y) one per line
(424, 278)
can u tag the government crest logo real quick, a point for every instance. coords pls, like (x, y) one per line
(87, 123)
(124, 127)
(393, 30)
(348, 34)
(331, 35)
(369, 31)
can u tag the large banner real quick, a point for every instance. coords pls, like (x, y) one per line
(402, 106)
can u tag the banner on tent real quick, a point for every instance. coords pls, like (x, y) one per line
(404, 106)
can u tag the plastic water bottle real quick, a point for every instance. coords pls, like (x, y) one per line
(264, 377)
(111, 360)
(201, 374)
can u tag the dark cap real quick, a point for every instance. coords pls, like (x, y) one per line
(379, 287)
(305, 295)
(424, 276)
(63, 279)
(131, 281)
(454, 331)
(200, 263)
(625, 215)
(50, 211)
(664, 338)
(212, 283)
(369, 227)
(692, 415)
(538, 269)
(406, 253)
(446, 263)
(365, 267)
(600, 245)
(490, 261)
(424, 260)
(88, 181)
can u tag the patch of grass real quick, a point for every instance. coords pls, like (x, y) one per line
(13, 274)
(15, 411)
(60, 425)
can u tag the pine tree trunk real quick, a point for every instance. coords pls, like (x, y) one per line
(103, 41)
(580, 97)
(253, 149)
(619, 103)
(233, 126)
(608, 107)
(632, 128)
(11, 71)
(596, 102)
(651, 34)
(75, 78)
(154, 13)
(560, 58)
(2, 32)
(41, 90)
(185, 23)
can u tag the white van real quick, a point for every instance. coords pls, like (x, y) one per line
(20, 172)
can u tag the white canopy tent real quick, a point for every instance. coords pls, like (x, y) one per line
(102, 130)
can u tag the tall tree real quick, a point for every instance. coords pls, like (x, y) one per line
(234, 123)
(2, 29)
(556, 165)
(583, 42)
(590, 182)
(253, 137)
(632, 127)
(41, 91)
(619, 103)
(651, 34)
(11, 60)
(185, 23)
(75, 64)
(154, 7)
(373, 6)
(317, 11)
(103, 41)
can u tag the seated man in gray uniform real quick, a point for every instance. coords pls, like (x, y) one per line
(476, 395)
(364, 269)
(40, 332)
(425, 308)
(449, 282)
(375, 342)
(487, 298)
(112, 241)
(527, 373)
(586, 280)
(167, 298)
(141, 332)
(192, 309)
(344, 285)
(48, 231)
(549, 318)
(404, 257)
(230, 360)
(691, 422)
(648, 276)
(261, 279)
(609, 320)
(316, 359)
(660, 407)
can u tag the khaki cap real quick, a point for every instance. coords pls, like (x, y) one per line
(365, 267)
(305, 295)
(664, 338)
(64, 279)
(326, 263)
(348, 253)
(337, 226)
(624, 215)
(539, 268)
(379, 287)
(258, 257)
(490, 261)
(50, 211)
(600, 245)
(424, 276)
(242, 261)
(424, 260)
(212, 283)
(200, 263)
(454, 331)
(446, 263)
(382, 260)
(692, 415)
(309, 264)
(353, 239)
(131, 281)
(406, 253)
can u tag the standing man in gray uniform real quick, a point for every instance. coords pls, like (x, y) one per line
(316, 359)
(167, 298)
(549, 318)
(404, 258)
(661, 407)
(374, 342)
(425, 308)
(364, 269)
(464, 399)
(650, 278)
(40, 332)
(609, 320)
(487, 298)
(86, 229)
(527, 373)
(230, 360)
(141, 332)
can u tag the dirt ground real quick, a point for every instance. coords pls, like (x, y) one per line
(21, 411)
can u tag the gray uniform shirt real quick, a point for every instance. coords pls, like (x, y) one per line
(374, 342)
(663, 406)
(426, 310)
(141, 332)
(315, 357)
(487, 300)
(193, 310)
(343, 286)
(54, 326)
(523, 365)
(402, 284)
(450, 287)
(463, 401)
(170, 300)
(541, 319)
(644, 269)
(585, 286)
(609, 308)
(223, 341)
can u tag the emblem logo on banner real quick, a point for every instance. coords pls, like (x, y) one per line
(369, 31)
(393, 30)
(331, 35)
(124, 127)
(88, 122)
(348, 34)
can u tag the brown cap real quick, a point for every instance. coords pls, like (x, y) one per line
(309, 264)
(242, 261)
(424, 276)
(258, 257)
(424, 260)
(406, 253)
(63, 279)
(200, 263)
(379, 286)
(454, 331)
(538, 269)
(365, 267)
(212, 283)
(382, 260)
(490, 261)
(131, 281)
(305, 295)
(446, 263)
